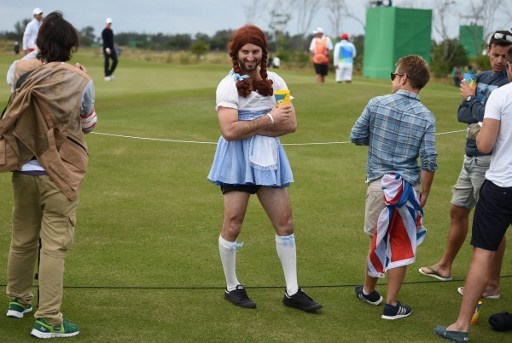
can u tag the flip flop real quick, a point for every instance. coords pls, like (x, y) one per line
(460, 290)
(453, 336)
(435, 274)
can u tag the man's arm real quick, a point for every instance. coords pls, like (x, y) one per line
(312, 46)
(428, 156)
(486, 139)
(282, 120)
(427, 178)
(469, 111)
(26, 37)
(108, 41)
(360, 133)
(335, 56)
(285, 122)
(87, 112)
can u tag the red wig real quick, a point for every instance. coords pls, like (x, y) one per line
(250, 34)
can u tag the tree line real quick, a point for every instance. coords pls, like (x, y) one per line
(292, 49)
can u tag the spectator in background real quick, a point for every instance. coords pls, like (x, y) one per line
(320, 48)
(16, 48)
(276, 62)
(109, 50)
(343, 59)
(470, 69)
(457, 75)
(30, 34)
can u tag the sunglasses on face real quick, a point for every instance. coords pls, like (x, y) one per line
(504, 36)
(393, 75)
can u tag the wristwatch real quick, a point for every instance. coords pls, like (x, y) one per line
(468, 99)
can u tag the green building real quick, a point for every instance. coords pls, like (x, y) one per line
(391, 33)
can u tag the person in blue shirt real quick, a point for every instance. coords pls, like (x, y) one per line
(343, 59)
(397, 128)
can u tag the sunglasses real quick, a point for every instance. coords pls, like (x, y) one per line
(499, 35)
(393, 75)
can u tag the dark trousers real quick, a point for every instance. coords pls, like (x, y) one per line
(109, 68)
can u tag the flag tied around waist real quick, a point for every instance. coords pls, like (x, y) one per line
(399, 229)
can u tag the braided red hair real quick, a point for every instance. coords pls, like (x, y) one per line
(253, 35)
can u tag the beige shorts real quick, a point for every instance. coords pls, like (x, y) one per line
(374, 205)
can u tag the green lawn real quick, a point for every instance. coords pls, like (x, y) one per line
(145, 264)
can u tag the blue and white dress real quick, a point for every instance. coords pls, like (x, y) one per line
(257, 160)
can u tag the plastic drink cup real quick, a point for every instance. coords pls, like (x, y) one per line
(282, 97)
(470, 79)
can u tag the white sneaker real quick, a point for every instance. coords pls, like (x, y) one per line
(112, 77)
(108, 78)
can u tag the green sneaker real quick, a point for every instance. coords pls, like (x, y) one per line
(42, 329)
(17, 309)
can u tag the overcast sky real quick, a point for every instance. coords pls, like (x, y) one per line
(154, 16)
(183, 16)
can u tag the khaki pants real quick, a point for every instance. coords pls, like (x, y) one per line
(40, 210)
(374, 204)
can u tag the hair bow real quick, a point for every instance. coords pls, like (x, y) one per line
(235, 245)
(239, 77)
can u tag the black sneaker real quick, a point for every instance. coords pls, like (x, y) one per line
(396, 312)
(373, 298)
(301, 301)
(239, 297)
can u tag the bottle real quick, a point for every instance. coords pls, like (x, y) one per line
(474, 320)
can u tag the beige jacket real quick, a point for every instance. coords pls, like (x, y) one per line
(43, 121)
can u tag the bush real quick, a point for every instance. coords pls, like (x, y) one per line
(446, 55)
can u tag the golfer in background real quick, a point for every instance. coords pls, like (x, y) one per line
(109, 50)
(251, 160)
(45, 122)
(31, 30)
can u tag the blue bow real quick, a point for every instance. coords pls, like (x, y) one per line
(239, 77)
(288, 240)
(233, 246)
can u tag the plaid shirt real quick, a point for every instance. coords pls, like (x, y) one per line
(398, 129)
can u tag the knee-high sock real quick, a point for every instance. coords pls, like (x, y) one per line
(285, 246)
(228, 257)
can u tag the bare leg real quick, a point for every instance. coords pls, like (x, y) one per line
(458, 231)
(396, 278)
(276, 204)
(493, 286)
(370, 282)
(235, 207)
(476, 280)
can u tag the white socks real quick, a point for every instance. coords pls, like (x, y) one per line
(228, 257)
(285, 246)
(286, 251)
